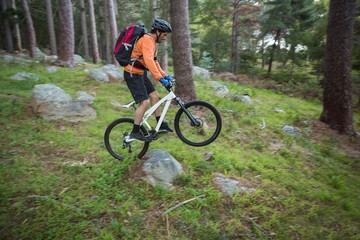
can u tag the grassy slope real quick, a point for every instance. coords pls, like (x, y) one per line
(58, 182)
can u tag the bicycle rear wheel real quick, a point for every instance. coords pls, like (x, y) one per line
(209, 127)
(114, 138)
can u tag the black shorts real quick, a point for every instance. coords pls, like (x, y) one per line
(140, 86)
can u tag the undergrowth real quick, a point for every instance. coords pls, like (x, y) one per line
(59, 182)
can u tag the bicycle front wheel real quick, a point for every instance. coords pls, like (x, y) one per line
(208, 125)
(116, 136)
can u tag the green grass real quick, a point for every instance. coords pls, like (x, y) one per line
(306, 187)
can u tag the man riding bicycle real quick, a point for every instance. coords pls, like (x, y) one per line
(140, 86)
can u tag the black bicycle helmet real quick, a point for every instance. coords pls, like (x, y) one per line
(161, 25)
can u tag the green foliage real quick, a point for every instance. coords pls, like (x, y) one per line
(206, 61)
(247, 60)
(57, 180)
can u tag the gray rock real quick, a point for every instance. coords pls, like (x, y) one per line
(51, 58)
(52, 103)
(83, 96)
(17, 60)
(202, 73)
(294, 131)
(78, 59)
(220, 89)
(278, 110)
(246, 99)
(51, 69)
(39, 54)
(231, 186)
(161, 168)
(114, 72)
(99, 75)
(107, 73)
(23, 76)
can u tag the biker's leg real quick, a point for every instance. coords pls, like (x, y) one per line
(140, 111)
(154, 98)
(138, 90)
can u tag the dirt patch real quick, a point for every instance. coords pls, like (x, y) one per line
(348, 145)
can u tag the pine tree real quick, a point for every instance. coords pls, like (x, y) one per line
(181, 43)
(337, 100)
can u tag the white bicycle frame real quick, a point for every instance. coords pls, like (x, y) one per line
(167, 100)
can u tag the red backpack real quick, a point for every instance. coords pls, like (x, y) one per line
(125, 44)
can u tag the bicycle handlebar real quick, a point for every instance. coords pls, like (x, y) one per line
(172, 83)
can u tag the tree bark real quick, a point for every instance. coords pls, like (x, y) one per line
(30, 29)
(17, 35)
(113, 32)
(8, 32)
(94, 43)
(274, 46)
(234, 37)
(67, 43)
(181, 43)
(163, 53)
(337, 100)
(84, 29)
(51, 28)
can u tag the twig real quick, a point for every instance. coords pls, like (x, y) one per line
(167, 226)
(182, 203)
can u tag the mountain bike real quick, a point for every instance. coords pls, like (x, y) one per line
(196, 123)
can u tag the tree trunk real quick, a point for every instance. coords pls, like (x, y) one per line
(84, 29)
(31, 39)
(337, 100)
(271, 59)
(51, 28)
(234, 37)
(94, 43)
(17, 35)
(8, 32)
(163, 53)
(154, 8)
(67, 43)
(104, 33)
(113, 32)
(181, 43)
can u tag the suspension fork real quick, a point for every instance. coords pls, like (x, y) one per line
(194, 122)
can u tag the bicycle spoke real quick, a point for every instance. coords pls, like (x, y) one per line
(207, 129)
(116, 136)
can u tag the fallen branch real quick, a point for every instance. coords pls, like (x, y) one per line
(182, 203)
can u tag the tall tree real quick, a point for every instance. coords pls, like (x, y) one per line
(67, 42)
(235, 35)
(51, 28)
(113, 32)
(93, 35)
(163, 52)
(84, 29)
(8, 32)
(16, 31)
(337, 100)
(287, 20)
(181, 43)
(31, 37)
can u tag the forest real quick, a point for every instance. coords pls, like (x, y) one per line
(239, 36)
(299, 62)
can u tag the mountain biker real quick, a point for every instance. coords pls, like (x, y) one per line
(140, 86)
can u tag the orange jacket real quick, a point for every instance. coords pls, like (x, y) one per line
(146, 48)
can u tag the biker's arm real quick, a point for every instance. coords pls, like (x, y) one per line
(149, 46)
